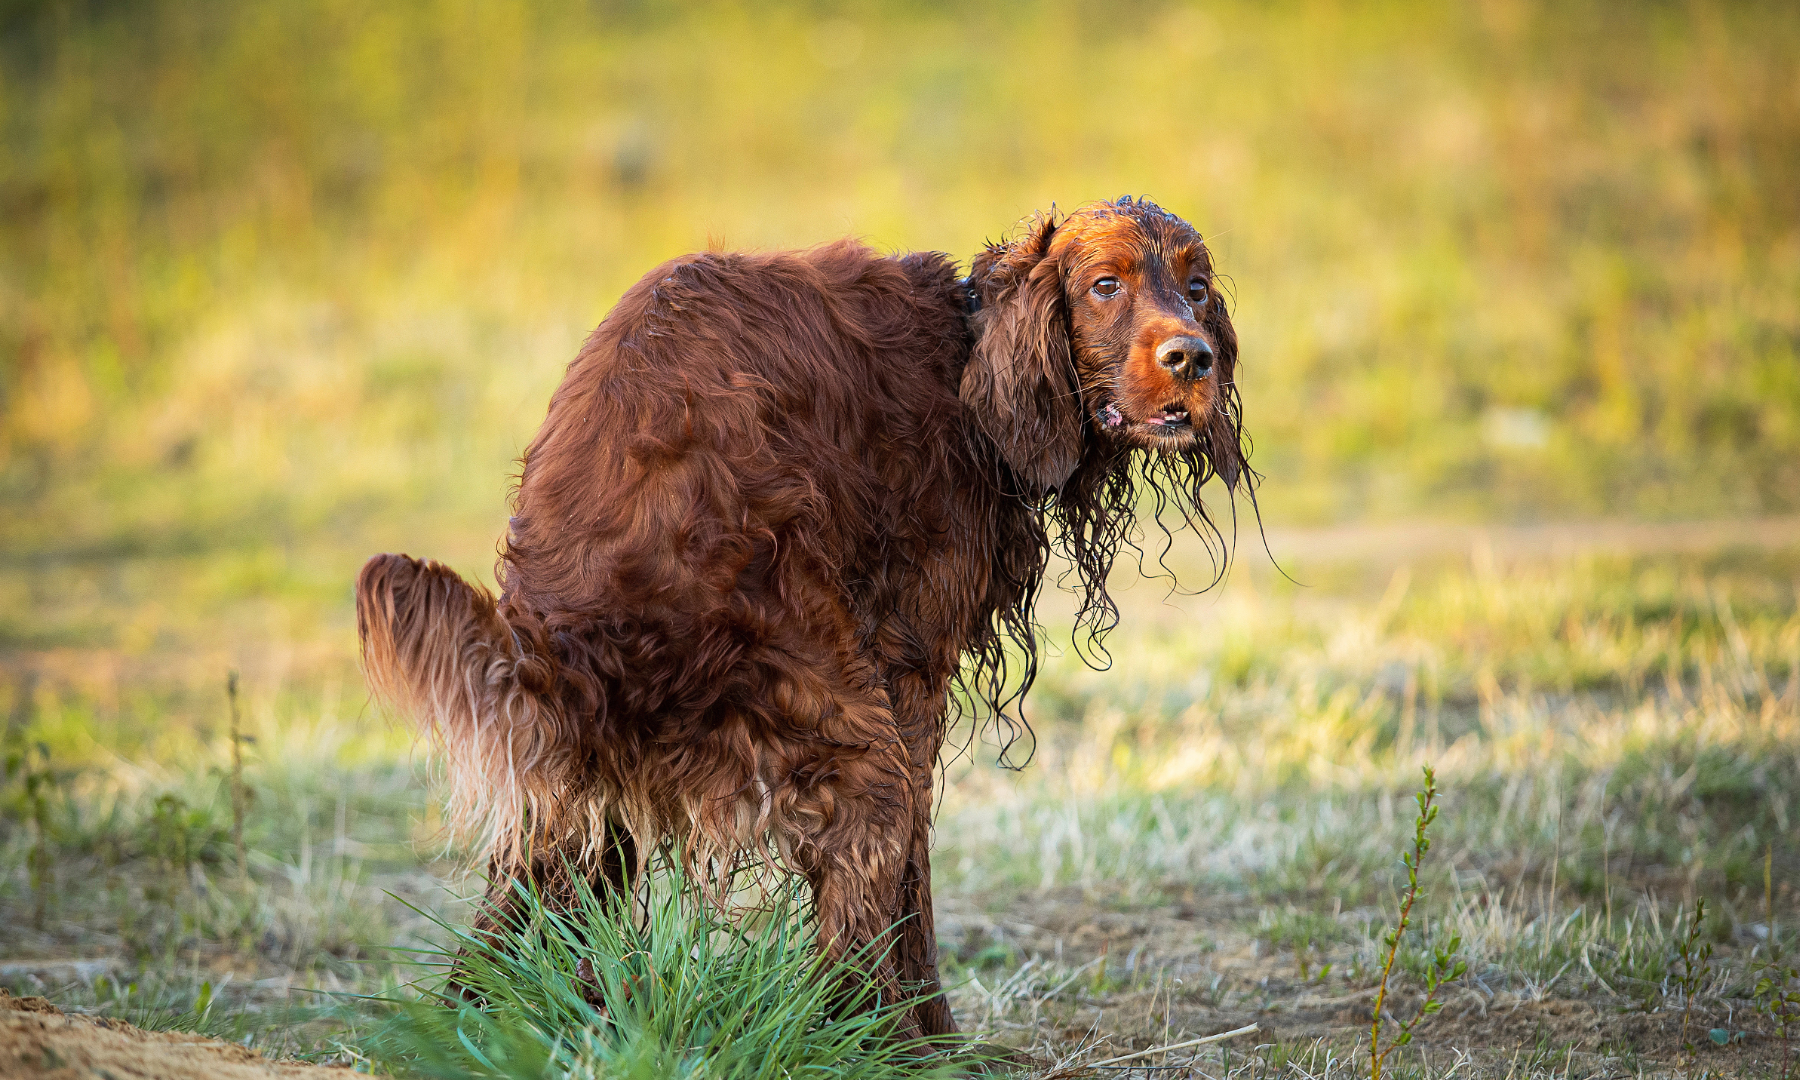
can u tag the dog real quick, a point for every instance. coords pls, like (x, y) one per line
(786, 519)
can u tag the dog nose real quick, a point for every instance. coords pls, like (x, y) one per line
(1185, 357)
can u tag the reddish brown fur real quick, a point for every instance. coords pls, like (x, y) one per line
(778, 502)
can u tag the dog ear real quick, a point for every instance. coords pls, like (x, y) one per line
(1223, 437)
(1020, 380)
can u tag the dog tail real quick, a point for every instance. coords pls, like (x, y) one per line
(438, 650)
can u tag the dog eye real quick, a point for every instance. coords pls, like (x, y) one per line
(1197, 291)
(1107, 286)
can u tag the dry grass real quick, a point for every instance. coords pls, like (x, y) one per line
(1209, 836)
(287, 282)
(1200, 838)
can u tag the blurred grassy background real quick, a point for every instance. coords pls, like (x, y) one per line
(309, 269)
(287, 282)
(284, 283)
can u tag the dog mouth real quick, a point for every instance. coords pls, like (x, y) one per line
(1170, 419)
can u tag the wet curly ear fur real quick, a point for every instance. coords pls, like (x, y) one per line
(1020, 380)
(1223, 437)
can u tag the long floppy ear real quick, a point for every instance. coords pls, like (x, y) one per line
(1223, 435)
(1020, 380)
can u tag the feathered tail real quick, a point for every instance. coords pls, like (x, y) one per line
(437, 649)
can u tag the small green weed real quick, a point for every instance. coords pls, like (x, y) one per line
(1445, 964)
(29, 766)
(1695, 955)
(1777, 990)
(1777, 998)
(178, 835)
(1305, 932)
(240, 792)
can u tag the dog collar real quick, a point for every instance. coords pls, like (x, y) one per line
(971, 296)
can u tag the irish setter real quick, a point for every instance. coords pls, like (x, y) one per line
(782, 507)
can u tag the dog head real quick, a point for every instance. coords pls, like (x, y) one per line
(1102, 331)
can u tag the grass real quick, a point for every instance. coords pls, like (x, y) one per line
(287, 282)
(277, 279)
(662, 986)
(1210, 835)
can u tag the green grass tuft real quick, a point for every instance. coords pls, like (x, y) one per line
(669, 985)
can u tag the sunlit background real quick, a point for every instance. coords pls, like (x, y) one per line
(284, 283)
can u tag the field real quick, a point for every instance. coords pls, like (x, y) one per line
(288, 282)
(1209, 835)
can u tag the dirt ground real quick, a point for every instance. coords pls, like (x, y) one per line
(1207, 974)
(38, 1040)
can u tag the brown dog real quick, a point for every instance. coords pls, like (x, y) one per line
(781, 506)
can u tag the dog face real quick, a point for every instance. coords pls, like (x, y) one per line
(1150, 337)
(1107, 322)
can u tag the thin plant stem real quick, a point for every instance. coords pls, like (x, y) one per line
(1444, 967)
(237, 780)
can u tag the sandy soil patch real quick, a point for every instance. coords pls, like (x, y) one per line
(38, 1040)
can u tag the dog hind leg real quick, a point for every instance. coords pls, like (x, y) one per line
(852, 849)
(915, 953)
(558, 876)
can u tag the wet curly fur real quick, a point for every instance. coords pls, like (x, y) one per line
(787, 518)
